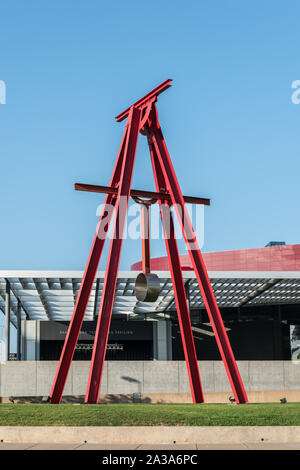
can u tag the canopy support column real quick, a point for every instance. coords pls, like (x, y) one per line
(7, 321)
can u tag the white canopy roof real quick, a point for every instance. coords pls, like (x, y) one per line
(50, 295)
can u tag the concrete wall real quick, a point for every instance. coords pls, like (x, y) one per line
(34, 378)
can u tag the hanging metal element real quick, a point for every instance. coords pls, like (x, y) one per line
(147, 285)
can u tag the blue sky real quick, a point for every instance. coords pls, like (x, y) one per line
(229, 122)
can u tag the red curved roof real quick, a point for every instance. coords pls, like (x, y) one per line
(271, 258)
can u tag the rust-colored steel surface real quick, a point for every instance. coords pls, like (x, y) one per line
(94, 188)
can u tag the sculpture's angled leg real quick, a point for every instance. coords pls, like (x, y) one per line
(178, 285)
(86, 285)
(108, 293)
(199, 267)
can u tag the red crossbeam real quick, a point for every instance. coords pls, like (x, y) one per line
(93, 188)
(143, 101)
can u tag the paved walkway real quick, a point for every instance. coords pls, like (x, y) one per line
(242, 446)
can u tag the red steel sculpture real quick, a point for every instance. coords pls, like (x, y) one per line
(142, 118)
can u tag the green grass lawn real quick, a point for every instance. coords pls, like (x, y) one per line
(264, 414)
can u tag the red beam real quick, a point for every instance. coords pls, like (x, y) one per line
(86, 287)
(93, 188)
(157, 91)
(110, 279)
(145, 226)
(178, 286)
(207, 293)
